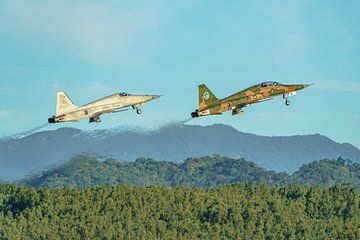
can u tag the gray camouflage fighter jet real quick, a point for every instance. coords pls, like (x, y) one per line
(66, 111)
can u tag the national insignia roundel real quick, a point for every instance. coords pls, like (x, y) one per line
(206, 96)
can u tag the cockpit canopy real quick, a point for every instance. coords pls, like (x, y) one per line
(124, 94)
(269, 83)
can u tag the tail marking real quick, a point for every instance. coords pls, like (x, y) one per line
(63, 104)
(206, 97)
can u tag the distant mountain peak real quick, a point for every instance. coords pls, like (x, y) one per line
(173, 142)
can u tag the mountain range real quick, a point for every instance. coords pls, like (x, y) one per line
(173, 143)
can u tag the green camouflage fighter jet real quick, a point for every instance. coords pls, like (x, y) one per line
(209, 104)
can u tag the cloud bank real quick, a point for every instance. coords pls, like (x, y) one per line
(95, 31)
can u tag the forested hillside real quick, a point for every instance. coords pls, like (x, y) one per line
(243, 211)
(328, 173)
(204, 172)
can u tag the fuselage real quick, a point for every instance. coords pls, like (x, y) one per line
(109, 104)
(254, 94)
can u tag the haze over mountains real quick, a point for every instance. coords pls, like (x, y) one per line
(171, 143)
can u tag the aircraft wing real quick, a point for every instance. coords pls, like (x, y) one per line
(264, 100)
(249, 104)
(120, 110)
(96, 118)
(258, 101)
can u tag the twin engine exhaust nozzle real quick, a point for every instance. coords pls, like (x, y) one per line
(52, 119)
(195, 114)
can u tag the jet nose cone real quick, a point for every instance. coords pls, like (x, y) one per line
(298, 87)
(307, 85)
(151, 97)
(155, 96)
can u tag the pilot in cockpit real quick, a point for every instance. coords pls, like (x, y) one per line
(265, 84)
(123, 94)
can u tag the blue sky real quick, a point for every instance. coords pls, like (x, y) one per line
(94, 48)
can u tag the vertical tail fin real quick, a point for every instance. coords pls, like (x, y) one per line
(206, 97)
(63, 103)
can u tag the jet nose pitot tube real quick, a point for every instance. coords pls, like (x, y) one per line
(307, 85)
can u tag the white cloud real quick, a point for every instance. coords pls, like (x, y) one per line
(6, 114)
(96, 31)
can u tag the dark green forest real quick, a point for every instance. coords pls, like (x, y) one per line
(241, 211)
(202, 198)
(203, 172)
